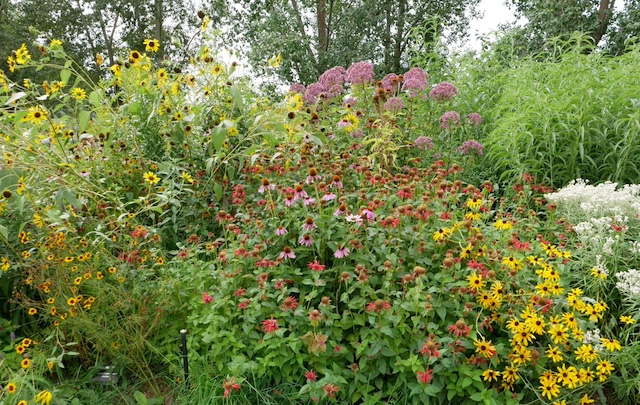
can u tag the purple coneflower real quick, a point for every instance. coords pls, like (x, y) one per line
(306, 240)
(354, 218)
(336, 182)
(328, 197)
(342, 209)
(287, 253)
(309, 224)
(281, 231)
(266, 186)
(341, 252)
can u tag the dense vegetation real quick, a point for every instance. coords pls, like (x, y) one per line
(365, 238)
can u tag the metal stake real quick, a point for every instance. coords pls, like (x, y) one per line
(185, 358)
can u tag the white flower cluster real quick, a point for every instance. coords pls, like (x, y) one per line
(602, 200)
(635, 247)
(601, 265)
(629, 282)
(593, 337)
(598, 232)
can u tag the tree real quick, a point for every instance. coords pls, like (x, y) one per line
(608, 24)
(314, 35)
(90, 27)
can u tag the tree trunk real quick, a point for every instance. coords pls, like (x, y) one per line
(604, 14)
(303, 35)
(159, 17)
(321, 17)
(398, 47)
(386, 39)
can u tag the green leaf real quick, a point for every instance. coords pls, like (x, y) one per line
(217, 188)
(83, 120)
(94, 98)
(4, 232)
(141, 399)
(65, 75)
(218, 136)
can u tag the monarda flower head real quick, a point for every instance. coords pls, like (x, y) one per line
(360, 73)
(443, 92)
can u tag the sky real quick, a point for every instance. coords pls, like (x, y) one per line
(495, 13)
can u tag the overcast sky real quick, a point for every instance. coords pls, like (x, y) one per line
(495, 13)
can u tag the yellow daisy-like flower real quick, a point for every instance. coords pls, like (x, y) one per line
(32, 311)
(12, 388)
(44, 397)
(585, 400)
(26, 363)
(233, 131)
(502, 225)
(187, 177)
(151, 45)
(568, 376)
(78, 93)
(474, 203)
(554, 353)
(275, 60)
(441, 234)
(55, 43)
(535, 324)
(627, 319)
(610, 345)
(22, 55)
(513, 263)
(20, 349)
(586, 353)
(550, 391)
(558, 333)
(490, 375)
(484, 348)
(476, 281)
(135, 57)
(598, 274)
(151, 178)
(36, 115)
(510, 374)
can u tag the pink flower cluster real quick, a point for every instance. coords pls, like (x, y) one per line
(394, 104)
(450, 120)
(471, 147)
(423, 142)
(415, 80)
(443, 92)
(360, 73)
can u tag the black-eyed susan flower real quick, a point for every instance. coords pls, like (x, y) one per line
(475, 281)
(568, 376)
(12, 388)
(490, 375)
(627, 320)
(554, 353)
(151, 178)
(151, 45)
(484, 348)
(610, 345)
(502, 225)
(586, 353)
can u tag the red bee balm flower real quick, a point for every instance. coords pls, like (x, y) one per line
(270, 325)
(311, 376)
(229, 385)
(425, 377)
(206, 298)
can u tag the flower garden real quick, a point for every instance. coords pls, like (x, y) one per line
(358, 240)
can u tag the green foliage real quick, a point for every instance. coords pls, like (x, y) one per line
(353, 31)
(575, 116)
